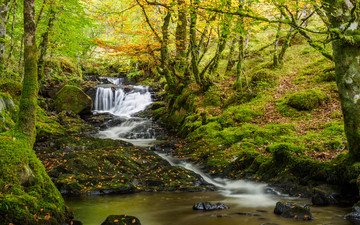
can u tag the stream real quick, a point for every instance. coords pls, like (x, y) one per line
(250, 202)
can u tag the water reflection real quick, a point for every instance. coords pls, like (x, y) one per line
(176, 209)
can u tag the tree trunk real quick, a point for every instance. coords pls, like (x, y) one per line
(12, 35)
(231, 61)
(28, 101)
(181, 30)
(347, 69)
(276, 46)
(181, 64)
(164, 51)
(4, 8)
(194, 48)
(223, 37)
(345, 20)
(44, 44)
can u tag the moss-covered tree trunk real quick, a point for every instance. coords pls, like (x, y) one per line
(28, 101)
(344, 16)
(4, 8)
(45, 42)
(28, 196)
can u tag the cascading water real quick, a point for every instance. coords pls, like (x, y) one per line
(115, 100)
(123, 102)
(243, 192)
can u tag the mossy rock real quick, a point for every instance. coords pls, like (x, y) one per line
(306, 100)
(12, 87)
(72, 98)
(263, 77)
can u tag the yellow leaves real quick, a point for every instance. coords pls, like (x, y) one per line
(116, 221)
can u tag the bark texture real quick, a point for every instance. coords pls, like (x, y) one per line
(28, 101)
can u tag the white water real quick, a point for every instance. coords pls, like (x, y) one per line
(242, 192)
(114, 100)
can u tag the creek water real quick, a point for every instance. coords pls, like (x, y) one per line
(250, 202)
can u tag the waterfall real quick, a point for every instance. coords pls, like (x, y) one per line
(123, 105)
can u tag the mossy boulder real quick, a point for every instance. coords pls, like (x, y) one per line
(73, 99)
(263, 78)
(7, 112)
(306, 100)
(11, 87)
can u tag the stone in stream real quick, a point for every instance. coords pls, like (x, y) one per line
(121, 219)
(354, 216)
(207, 206)
(290, 210)
(325, 195)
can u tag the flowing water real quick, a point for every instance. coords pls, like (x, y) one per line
(250, 202)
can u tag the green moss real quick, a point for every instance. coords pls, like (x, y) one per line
(25, 187)
(282, 152)
(306, 100)
(242, 113)
(12, 87)
(47, 125)
(62, 69)
(212, 97)
(263, 78)
(73, 99)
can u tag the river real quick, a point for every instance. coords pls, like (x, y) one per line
(250, 202)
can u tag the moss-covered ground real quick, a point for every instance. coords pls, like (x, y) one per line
(284, 125)
(27, 194)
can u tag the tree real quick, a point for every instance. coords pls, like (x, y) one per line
(4, 8)
(28, 101)
(344, 17)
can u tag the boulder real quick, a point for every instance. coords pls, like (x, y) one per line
(72, 98)
(121, 219)
(354, 216)
(290, 210)
(323, 198)
(207, 206)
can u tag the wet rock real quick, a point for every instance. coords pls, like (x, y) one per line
(354, 216)
(121, 219)
(207, 206)
(290, 210)
(323, 198)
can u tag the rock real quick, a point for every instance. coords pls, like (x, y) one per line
(290, 210)
(121, 219)
(322, 198)
(27, 176)
(354, 216)
(73, 99)
(207, 206)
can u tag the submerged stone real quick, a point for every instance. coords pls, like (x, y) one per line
(121, 219)
(207, 206)
(290, 210)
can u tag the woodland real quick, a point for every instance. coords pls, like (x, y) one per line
(266, 90)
